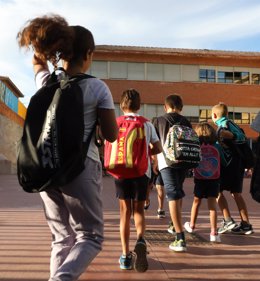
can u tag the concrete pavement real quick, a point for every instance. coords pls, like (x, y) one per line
(25, 242)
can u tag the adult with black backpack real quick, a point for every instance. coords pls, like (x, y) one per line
(73, 210)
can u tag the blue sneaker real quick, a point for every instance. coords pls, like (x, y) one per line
(126, 262)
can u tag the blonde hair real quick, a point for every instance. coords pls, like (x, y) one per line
(220, 110)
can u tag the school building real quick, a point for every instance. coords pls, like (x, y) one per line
(202, 77)
(12, 114)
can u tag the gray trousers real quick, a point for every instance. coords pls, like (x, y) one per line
(75, 217)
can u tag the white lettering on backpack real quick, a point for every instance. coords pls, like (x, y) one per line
(49, 140)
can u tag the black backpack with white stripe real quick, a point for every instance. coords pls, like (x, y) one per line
(52, 152)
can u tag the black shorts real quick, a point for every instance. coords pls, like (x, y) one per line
(134, 188)
(206, 188)
(232, 176)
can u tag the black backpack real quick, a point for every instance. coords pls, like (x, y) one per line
(242, 148)
(52, 151)
(255, 180)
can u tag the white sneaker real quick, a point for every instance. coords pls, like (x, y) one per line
(215, 238)
(188, 228)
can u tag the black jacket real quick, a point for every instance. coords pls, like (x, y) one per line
(163, 123)
(255, 181)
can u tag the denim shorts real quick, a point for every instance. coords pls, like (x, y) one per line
(173, 182)
(158, 180)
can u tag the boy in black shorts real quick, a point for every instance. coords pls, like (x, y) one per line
(132, 192)
(231, 176)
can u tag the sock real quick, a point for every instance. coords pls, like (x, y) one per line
(180, 236)
(228, 219)
(141, 239)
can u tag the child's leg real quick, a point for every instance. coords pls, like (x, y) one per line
(160, 196)
(147, 201)
(223, 205)
(194, 211)
(139, 218)
(125, 216)
(212, 206)
(175, 207)
(241, 205)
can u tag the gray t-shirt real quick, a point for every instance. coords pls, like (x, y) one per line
(96, 94)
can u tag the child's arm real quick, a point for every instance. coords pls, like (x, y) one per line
(39, 64)
(155, 164)
(155, 148)
(225, 134)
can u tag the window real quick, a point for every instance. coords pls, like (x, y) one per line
(2, 91)
(150, 111)
(154, 72)
(241, 77)
(245, 118)
(172, 72)
(190, 73)
(225, 77)
(255, 78)
(239, 117)
(245, 77)
(99, 69)
(135, 71)
(118, 70)
(205, 115)
(207, 75)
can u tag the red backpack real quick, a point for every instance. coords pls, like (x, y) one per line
(127, 157)
(209, 166)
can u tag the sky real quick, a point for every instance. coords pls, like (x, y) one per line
(232, 25)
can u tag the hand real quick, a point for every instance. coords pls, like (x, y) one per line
(36, 60)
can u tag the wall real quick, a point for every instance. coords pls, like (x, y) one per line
(10, 134)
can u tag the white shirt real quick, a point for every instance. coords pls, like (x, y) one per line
(96, 94)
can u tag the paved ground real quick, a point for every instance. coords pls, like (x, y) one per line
(25, 242)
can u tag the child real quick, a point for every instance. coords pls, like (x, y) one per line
(206, 178)
(132, 192)
(73, 211)
(172, 178)
(231, 176)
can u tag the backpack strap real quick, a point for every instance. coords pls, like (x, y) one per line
(58, 72)
(240, 131)
(123, 118)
